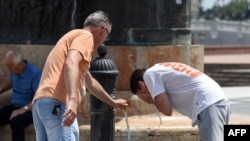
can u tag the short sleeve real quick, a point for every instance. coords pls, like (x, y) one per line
(154, 83)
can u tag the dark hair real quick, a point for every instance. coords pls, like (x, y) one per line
(135, 77)
(98, 18)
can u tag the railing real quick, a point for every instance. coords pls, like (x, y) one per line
(227, 26)
(220, 32)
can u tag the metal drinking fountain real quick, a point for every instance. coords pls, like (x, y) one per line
(102, 115)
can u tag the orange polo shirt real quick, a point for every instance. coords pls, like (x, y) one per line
(52, 83)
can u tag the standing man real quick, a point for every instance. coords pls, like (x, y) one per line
(190, 92)
(59, 93)
(24, 80)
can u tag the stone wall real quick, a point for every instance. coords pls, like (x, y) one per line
(126, 58)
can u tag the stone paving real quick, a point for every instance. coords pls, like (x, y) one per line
(239, 98)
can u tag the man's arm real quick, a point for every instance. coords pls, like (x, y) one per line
(21, 110)
(163, 104)
(71, 76)
(97, 90)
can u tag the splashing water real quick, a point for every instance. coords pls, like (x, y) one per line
(159, 115)
(126, 117)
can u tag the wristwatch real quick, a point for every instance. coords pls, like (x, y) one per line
(26, 108)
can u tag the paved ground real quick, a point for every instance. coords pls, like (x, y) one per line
(239, 98)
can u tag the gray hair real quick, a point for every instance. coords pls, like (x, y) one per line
(98, 18)
(16, 57)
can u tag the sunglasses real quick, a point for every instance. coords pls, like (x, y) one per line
(108, 33)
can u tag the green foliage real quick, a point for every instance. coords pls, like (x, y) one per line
(235, 10)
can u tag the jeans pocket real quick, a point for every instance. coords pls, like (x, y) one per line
(46, 115)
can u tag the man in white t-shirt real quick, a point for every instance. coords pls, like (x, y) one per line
(187, 90)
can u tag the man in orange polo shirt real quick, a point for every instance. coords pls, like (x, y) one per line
(59, 92)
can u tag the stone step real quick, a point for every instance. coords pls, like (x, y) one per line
(145, 123)
(229, 74)
(141, 128)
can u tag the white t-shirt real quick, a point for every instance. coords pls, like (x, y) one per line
(189, 90)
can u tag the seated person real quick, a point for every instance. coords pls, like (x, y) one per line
(24, 80)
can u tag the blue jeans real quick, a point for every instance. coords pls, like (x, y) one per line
(49, 126)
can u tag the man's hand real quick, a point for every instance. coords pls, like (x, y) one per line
(17, 112)
(121, 103)
(70, 114)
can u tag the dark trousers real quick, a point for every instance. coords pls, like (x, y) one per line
(17, 123)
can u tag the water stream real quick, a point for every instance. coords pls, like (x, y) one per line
(126, 117)
(159, 115)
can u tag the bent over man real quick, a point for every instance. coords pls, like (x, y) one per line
(172, 85)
